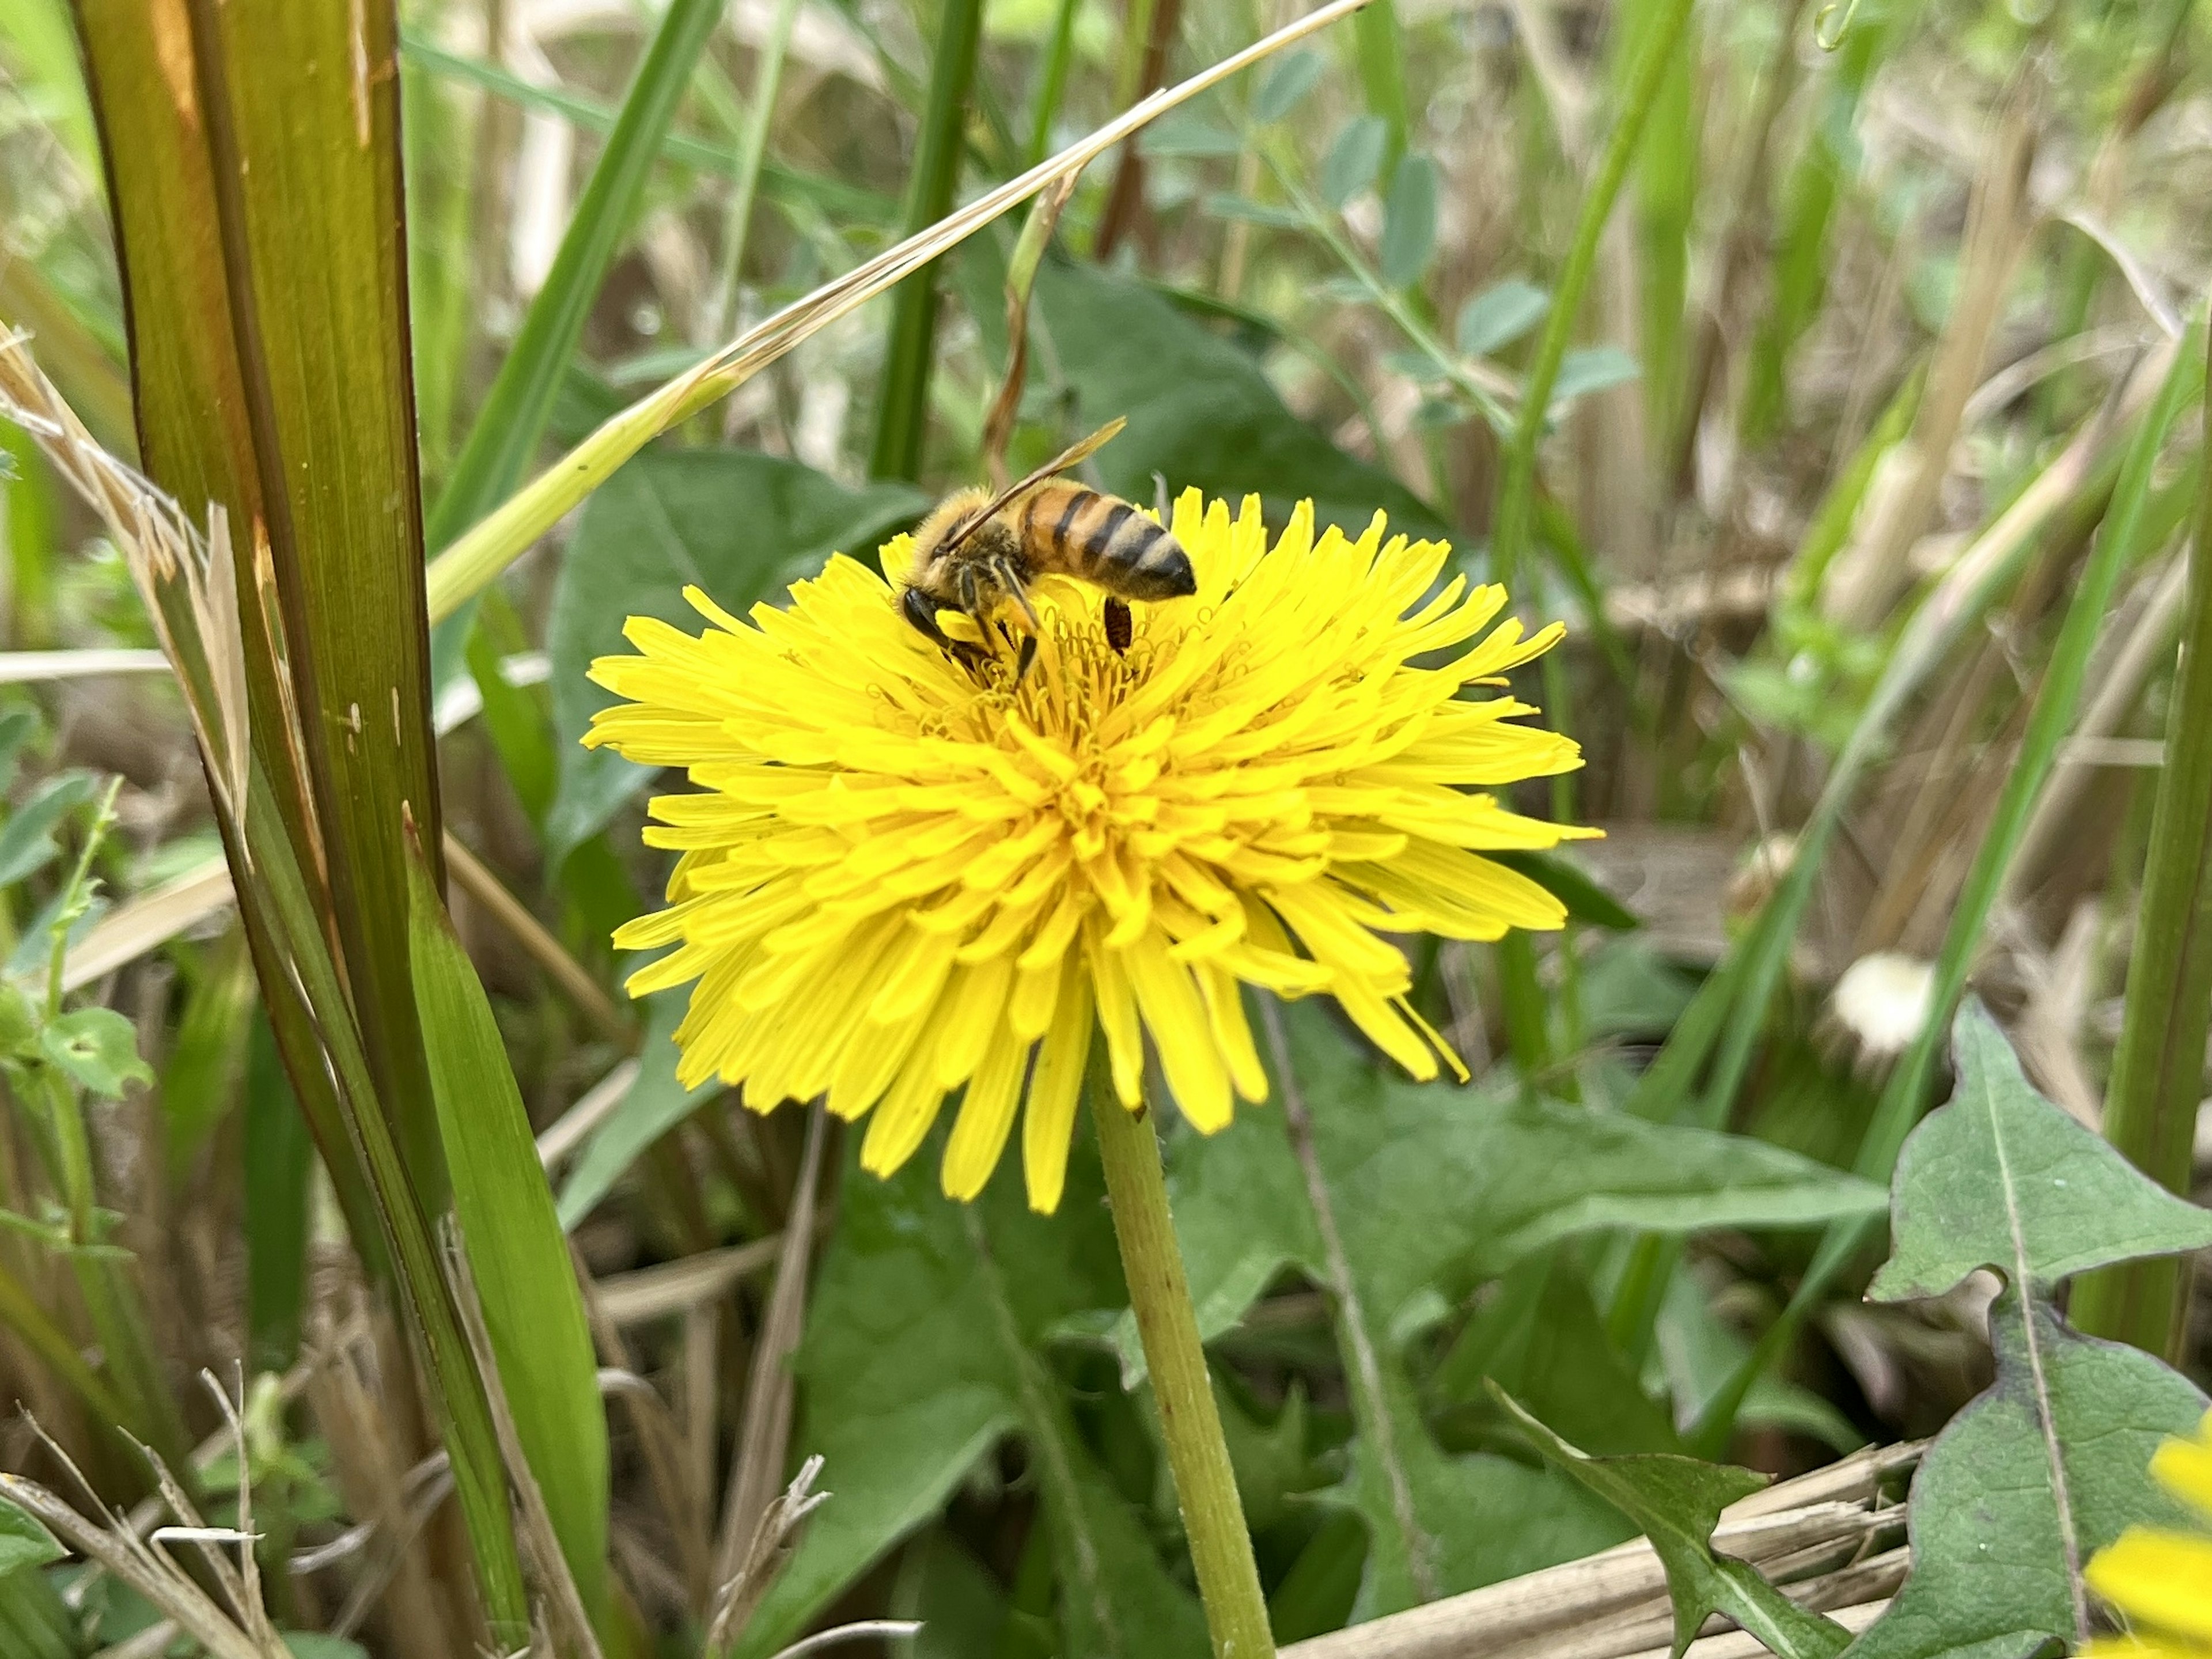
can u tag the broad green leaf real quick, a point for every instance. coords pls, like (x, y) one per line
(2002, 1178)
(923, 1349)
(738, 524)
(27, 840)
(1409, 220)
(1676, 1502)
(517, 1254)
(1540, 1338)
(1995, 1554)
(656, 1104)
(1200, 410)
(1354, 159)
(1595, 368)
(24, 1540)
(1285, 84)
(1432, 1190)
(1499, 315)
(97, 1048)
(512, 420)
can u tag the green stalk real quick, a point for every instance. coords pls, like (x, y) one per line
(1904, 1097)
(20, 1312)
(903, 406)
(1151, 1262)
(1517, 492)
(752, 149)
(2150, 1108)
(1052, 86)
(507, 429)
(1381, 50)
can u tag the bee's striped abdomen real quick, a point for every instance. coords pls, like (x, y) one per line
(1108, 541)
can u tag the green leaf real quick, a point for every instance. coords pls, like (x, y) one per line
(736, 524)
(517, 1254)
(512, 419)
(1433, 1188)
(1287, 81)
(24, 1540)
(924, 1348)
(1223, 204)
(277, 1215)
(1676, 1502)
(1354, 159)
(27, 841)
(1995, 1555)
(19, 724)
(1595, 368)
(2002, 1178)
(1499, 315)
(1201, 412)
(1409, 220)
(656, 1104)
(313, 1645)
(97, 1048)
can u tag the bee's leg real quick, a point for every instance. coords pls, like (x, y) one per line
(1121, 627)
(1010, 580)
(1028, 656)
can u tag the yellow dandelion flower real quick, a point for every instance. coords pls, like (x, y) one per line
(901, 877)
(2162, 1580)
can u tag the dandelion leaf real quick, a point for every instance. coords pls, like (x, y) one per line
(2051, 1464)
(2048, 1466)
(2002, 1178)
(1676, 1502)
(1434, 1189)
(924, 1349)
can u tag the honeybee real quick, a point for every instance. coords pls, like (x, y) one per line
(977, 553)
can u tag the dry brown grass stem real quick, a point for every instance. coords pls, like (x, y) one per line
(764, 1431)
(1869, 575)
(1808, 1534)
(770, 1546)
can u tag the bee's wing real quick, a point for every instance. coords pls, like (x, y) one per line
(1074, 456)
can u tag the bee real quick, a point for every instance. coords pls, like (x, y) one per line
(978, 553)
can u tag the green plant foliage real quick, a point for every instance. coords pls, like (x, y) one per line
(1201, 411)
(1354, 159)
(926, 1345)
(2052, 1463)
(1499, 315)
(27, 841)
(2002, 1178)
(1409, 220)
(1676, 1502)
(24, 1540)
(531, 1306)
(1433, 1190)
(35, 1623)
(656, 1104)
(95, 1048)
(279, 1158)
(736, 524)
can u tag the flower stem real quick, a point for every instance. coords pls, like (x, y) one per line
(1212, 1517)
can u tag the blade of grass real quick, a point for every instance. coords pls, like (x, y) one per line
(752, 149)
(276, 1214)
(1381, 50)
(488, 549)
(2150, 1106)
(1052, 80)
(260, 213)
(1905, 1095)
(1640, 95)
(902, 403)
(507, 428)
(517, 1254)
(835, 196)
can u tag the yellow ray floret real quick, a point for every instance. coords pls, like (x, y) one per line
(2162, 1580)
(905, 877)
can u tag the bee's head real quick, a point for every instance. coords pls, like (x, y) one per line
(945, 518)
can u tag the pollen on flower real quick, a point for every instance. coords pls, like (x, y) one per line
(902, 878)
